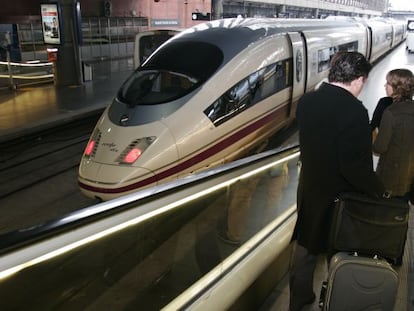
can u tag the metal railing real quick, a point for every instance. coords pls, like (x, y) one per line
(143, 240)
(13, 74)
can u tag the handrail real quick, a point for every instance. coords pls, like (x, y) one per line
(135, 241)
(27, 64)
(46, 71)
(25, 236)
(219, 288)
(30, 246)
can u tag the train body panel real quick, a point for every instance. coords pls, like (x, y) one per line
(382, 39)
(410, 42)
(211, 94)
(321, 46)
(105, 167)
(410, 36)
(240, 118)
(118, 178)
(398, 33)
(382, 34)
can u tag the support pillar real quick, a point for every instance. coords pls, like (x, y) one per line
(217, 8)
(68, 63)
(282, 11)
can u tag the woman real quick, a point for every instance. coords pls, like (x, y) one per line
(394, 143)
(382, 104)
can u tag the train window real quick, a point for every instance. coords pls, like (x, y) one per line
(388, 36)
(324, 58)
(164, 82)
(325, 55)
(349, 47)
(276, 77)
(154, 87)
(149, 43)
(299, 62)
(195, 59)
(251, 90)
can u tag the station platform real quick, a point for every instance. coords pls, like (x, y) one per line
(30, 108)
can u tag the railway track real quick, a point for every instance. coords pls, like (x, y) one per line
(38, 174)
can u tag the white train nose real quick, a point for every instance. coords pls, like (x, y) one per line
(99, 173)
(104, 185)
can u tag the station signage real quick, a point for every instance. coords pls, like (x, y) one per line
(164, 22)
(51, 23)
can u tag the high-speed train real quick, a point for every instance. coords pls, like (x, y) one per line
(214, 93)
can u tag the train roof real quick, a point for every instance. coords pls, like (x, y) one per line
(204, 48)
(260, 27)
(240, 32)
(233, 35)
(281, 24)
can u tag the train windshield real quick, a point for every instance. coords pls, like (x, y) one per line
(172, 72)
(150, 87)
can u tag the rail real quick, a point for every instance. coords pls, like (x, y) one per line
(14, 74)
(160, 240)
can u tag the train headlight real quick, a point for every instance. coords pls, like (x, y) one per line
(134, 150)
(93, 143)
(89, 148)
(132, 155)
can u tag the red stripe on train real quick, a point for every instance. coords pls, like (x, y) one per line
(223, 144)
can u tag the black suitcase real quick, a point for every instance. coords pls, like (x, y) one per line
(369, 226)
(359, 283)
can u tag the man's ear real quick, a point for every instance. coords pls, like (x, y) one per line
(356, 85)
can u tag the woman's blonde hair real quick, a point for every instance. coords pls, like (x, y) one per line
(402, 83)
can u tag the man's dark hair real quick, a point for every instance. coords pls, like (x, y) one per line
(348, 66)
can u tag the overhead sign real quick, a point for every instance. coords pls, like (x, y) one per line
(200, 16)
(164, 22)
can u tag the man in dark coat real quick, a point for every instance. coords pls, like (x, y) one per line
(336, 156)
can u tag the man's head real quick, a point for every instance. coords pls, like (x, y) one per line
(349, 70)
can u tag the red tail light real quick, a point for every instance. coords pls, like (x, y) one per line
(89, 148)
(132, 155)
(135, 149)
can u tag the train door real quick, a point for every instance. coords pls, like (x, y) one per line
(370, 42)
(299, 55)
(410, 36)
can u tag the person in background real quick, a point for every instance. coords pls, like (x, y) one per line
(395, 140)
(55, 28)
(336, 156)
(382, 104)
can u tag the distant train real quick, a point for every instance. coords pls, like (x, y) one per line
(147, 42)
(214, 93)
(410, 36)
